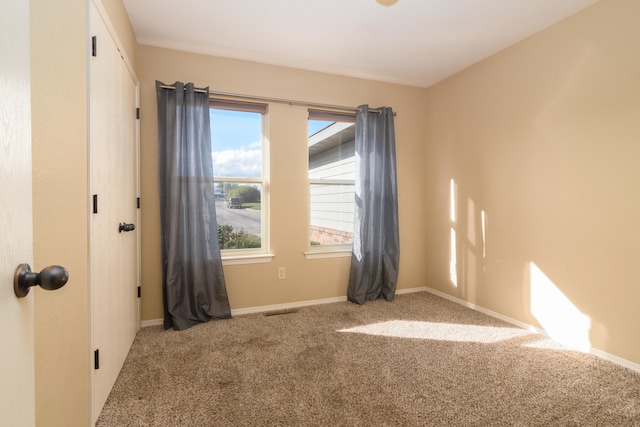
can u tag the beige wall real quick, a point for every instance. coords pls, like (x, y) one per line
(545, 139)
(60, 204)
(257, 284)
(59, 120)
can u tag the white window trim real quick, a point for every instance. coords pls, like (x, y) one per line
(246, 259)
(328, 253)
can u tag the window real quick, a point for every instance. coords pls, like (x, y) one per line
(239, 167)
(331, 142)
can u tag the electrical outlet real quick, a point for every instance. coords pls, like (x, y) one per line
(281, 274)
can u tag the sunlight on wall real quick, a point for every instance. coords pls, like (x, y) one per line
(452, 201)
(440, 331)
(557, 315)
(453, 253)
(483, 218)
(453, 267)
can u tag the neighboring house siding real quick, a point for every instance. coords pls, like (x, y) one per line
(331, 205)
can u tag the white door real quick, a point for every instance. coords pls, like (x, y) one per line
(113, 186)
(17, 395)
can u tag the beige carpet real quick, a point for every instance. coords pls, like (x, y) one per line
(420, 360)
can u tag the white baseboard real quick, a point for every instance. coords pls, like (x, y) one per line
(152, 322)
(285, 306)
(615, 359)
(411, 290)
(594, 351)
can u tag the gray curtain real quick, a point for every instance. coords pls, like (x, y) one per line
(376, 244)
(193, 285)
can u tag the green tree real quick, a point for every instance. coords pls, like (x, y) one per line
(246, 193)
(226, 188)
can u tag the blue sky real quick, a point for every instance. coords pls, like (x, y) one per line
(232, 129)
(236, 142)
(316, 126)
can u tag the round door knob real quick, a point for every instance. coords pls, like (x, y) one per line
(50, 278)
(126, 227)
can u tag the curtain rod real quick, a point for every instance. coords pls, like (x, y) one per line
(278, 100)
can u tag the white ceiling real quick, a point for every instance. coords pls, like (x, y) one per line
(414, 42)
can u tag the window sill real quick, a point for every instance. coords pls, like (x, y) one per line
(246, 259)
(332, 253)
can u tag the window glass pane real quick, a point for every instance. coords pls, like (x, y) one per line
(331, 179)
(238, 211)
(236, 143)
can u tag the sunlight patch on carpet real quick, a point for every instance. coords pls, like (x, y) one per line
(547, 344)
(439, 331)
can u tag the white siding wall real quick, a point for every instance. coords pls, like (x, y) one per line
(331, 205)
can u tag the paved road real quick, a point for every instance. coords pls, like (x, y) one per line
(244, 219)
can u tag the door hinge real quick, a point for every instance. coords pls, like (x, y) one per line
(96, 359)
(137, 112)
(94, 46)
(138, 202)
(139, 291)
(95, 203)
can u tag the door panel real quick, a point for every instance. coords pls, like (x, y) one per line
(17, 395)
(113, 180)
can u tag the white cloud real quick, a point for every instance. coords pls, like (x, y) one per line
(238, 163)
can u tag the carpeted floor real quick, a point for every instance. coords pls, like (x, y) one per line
(419, 360)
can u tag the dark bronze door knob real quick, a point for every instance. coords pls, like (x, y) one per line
(126, 227)
(50, 278)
